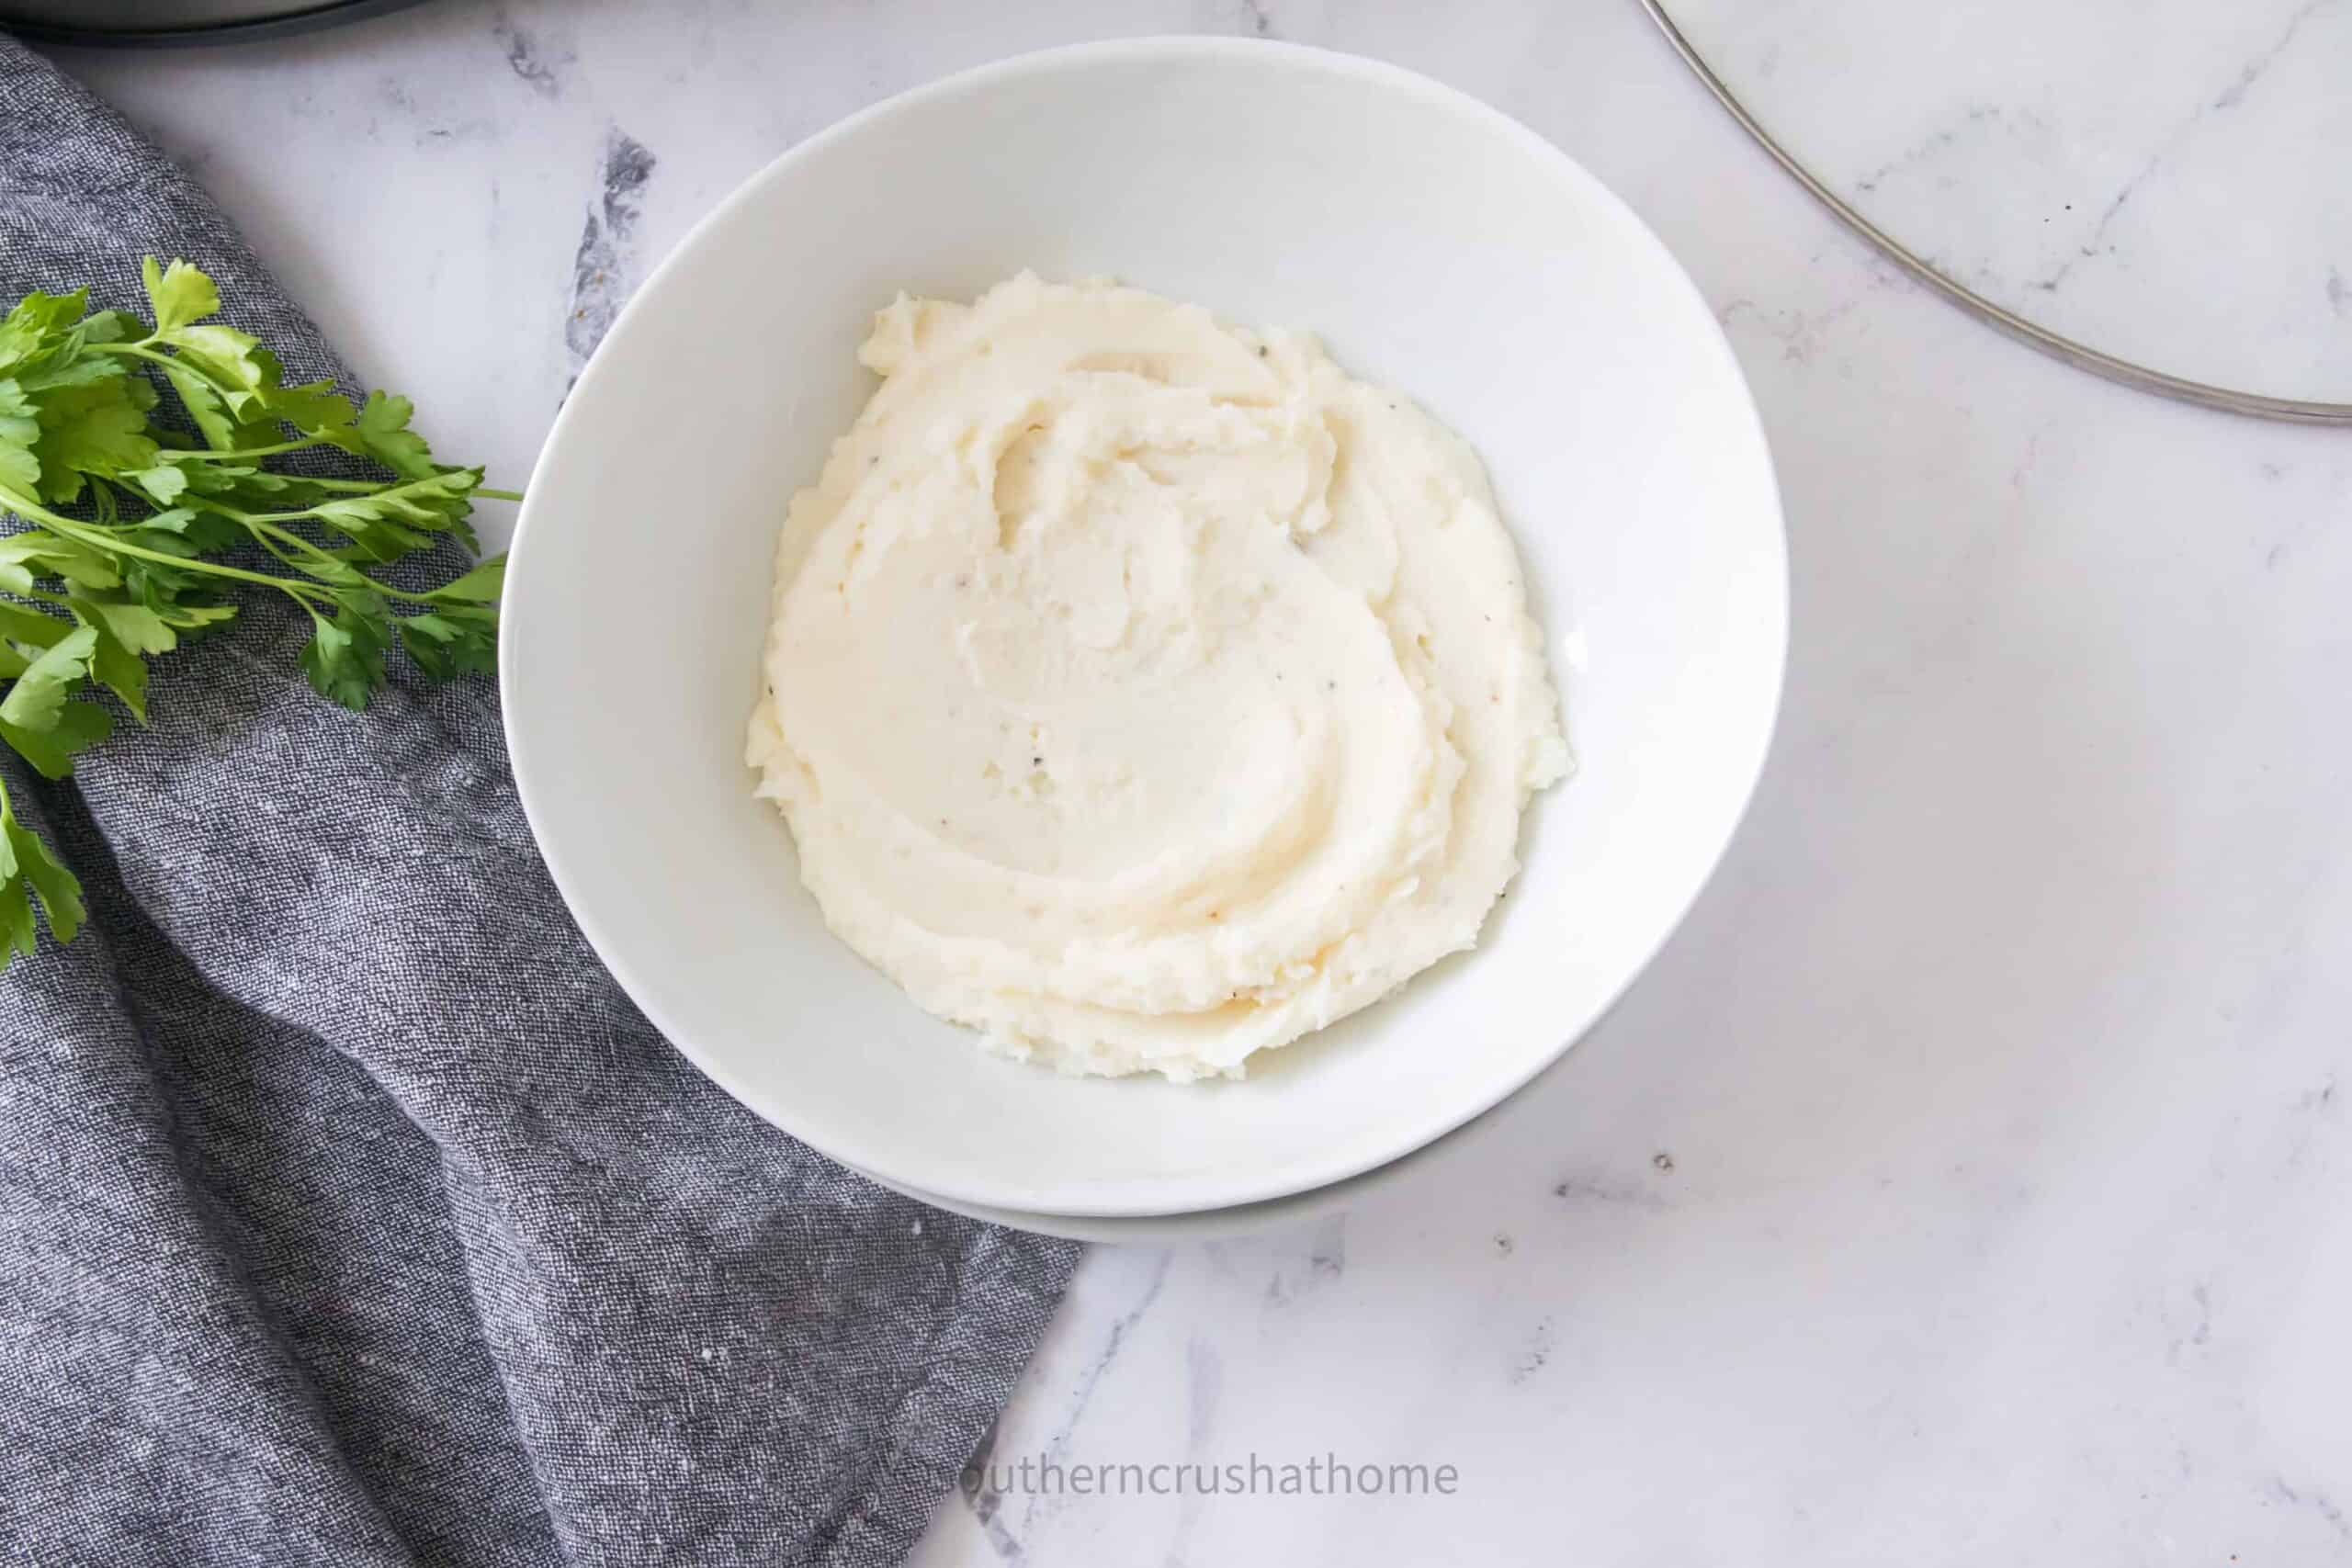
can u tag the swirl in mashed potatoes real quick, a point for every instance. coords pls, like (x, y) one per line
(1146, 693)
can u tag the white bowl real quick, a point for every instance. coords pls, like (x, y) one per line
(1438, 247)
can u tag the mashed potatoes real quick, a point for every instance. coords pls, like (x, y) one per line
(1146, 693)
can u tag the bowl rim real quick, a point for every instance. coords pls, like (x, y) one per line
(853, 1151)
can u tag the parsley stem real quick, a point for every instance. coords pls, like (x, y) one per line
(434, 486)
(269, 539)
(177, 364)
(101, 539)
(169, 362)
(489, 494)
(241, 453)
(356, 487)
(271, 536)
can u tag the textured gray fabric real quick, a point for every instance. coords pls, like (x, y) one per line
(348, 1213)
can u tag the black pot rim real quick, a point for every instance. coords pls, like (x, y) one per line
(293, 16)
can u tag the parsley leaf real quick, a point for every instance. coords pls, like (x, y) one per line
(30, 331)
(18, 935)
(36, 697)
(93, 427)
(312, 407)
(19, 431)
(383, 433)
(346, 657)
(28, 868)
(117, 667)
(480, 586)
(76, 727)
(36, 629)
(33, 552)
(453, 642)
(179, 294)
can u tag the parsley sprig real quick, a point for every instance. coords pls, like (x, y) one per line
(141, 517)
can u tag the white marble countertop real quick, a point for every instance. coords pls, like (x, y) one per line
(1970, 1181)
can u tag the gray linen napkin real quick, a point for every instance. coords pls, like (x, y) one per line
(349, 1214)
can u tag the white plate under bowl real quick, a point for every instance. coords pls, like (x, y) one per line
(1171, 1230)
(1231, 1223)
(1439, 247)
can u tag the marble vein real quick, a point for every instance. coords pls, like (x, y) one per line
(601, 274)
(2096, 243)
(531, 64)
(986, 1503)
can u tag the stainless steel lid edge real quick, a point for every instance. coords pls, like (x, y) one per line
(2142, 378)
